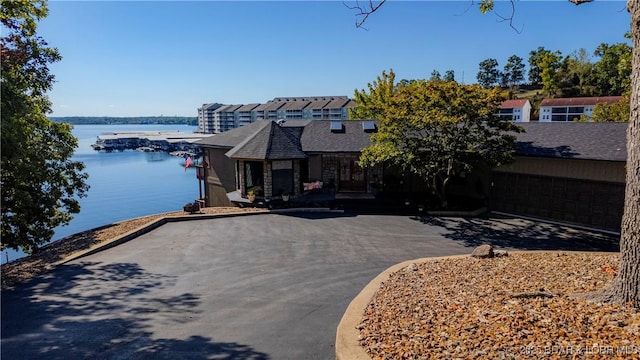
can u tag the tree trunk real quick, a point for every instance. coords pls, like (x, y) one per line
(443, 193)
(625, 288)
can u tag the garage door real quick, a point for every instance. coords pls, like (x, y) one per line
(583, 202)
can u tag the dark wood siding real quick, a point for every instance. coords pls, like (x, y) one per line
(220, 177)
(578, 201)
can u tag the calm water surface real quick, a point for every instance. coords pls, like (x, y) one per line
(126, 184)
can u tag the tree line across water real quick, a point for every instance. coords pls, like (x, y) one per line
(138, 120)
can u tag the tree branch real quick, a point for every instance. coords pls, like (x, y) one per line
(533, 294)
(372, 6)
(365, 11)
(578, 2)
(512, 15)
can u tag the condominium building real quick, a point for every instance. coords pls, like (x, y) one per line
(570, 109)
(516, 110)
(205, 117)
(216, 118)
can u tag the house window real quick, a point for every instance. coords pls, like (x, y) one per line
(559, 110)
(282, 177)
(577, 109)
(336, 126)
(253, 174)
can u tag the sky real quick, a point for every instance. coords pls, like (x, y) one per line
(143, 58)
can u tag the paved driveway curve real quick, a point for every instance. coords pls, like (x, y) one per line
(252, 287)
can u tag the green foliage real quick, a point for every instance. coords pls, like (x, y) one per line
(437, 129)
(616, 112)
(486, 6)
(489, 75)
(435, 76)
(543, 69)
(449, 75)
(40, 184)
(579, 66)
(577, 75)
(535, 71)
(371, 104)
(612, 72)
(513, 73)
(549, 64)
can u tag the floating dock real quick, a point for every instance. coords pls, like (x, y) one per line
(148, 141)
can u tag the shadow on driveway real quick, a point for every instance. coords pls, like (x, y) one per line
(515, 233)
(92, 310)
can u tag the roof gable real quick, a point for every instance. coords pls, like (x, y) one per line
(514, 103)
(271, 142)
(229, 139)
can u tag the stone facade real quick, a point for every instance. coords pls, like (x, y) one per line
(268, 179)
(241, 182)
(330, 168)
(296, 177)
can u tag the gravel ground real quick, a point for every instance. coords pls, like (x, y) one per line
(514, 307)
(26, 268)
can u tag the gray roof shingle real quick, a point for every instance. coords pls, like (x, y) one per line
(229, 139)
(575, 140)
(317, 137)
(271, 142)
(248, 107)
(296, 138)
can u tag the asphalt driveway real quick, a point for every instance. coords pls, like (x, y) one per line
(252, 287)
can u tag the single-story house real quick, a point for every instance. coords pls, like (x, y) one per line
(570, 109)
(569, 172)
(271, 158)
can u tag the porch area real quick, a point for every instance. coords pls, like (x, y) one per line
(356, 202)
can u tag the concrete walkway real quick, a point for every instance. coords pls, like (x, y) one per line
(252, 287)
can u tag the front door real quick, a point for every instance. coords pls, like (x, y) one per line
(352, 176)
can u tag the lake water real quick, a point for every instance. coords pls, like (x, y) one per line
(126, 184)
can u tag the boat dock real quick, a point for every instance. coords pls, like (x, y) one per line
(149, 141)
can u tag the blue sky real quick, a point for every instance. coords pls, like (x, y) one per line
(125, 58)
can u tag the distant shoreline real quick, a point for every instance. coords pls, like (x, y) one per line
(136, 120)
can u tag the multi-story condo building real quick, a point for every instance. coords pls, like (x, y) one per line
(205, 117)
(217, 118)
(517, 110)
(570, 109)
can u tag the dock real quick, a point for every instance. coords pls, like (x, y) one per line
(149, 141)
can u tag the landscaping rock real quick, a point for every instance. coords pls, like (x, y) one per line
(412, 267)
(500, 253)
(483, 252)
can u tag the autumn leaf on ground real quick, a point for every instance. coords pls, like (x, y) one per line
(611, 270)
